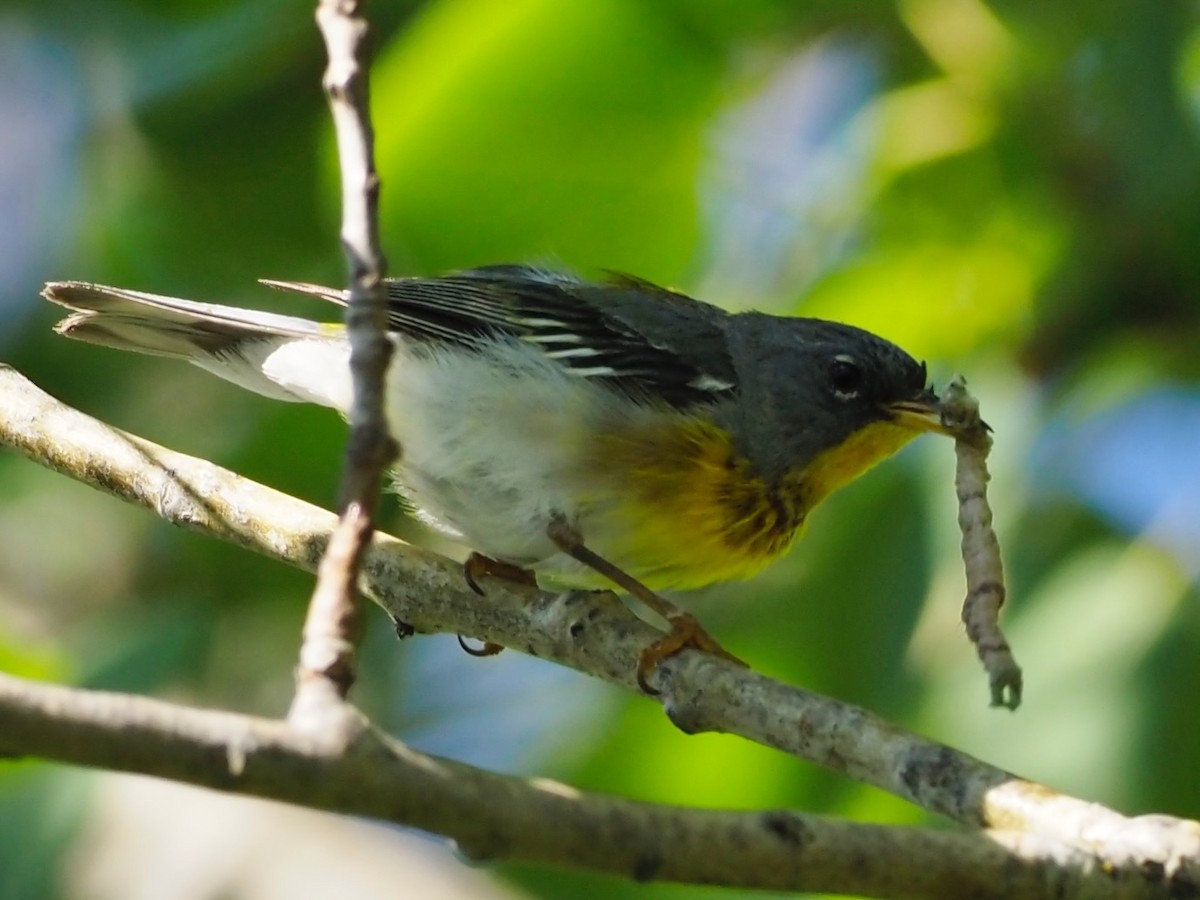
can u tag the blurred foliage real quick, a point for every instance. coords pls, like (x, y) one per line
(1010, 191)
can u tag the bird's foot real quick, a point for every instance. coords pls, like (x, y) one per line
(686, 633)
(478, 566)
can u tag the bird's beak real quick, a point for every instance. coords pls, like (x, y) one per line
(924, 413)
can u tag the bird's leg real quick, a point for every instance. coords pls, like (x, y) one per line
(686, 630)
(478, 565)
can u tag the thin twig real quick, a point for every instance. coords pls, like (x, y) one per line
(593, 633)
(331, 629)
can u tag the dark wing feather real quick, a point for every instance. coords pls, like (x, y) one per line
(629, 335)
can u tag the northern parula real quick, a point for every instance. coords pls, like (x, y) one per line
(591, 432)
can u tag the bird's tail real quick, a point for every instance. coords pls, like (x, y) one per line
(166, 326)
(279, 356)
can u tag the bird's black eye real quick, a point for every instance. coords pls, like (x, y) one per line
(845, 377)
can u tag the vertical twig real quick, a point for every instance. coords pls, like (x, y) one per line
(326, 669)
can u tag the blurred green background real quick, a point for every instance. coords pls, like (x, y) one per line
(1009, 191)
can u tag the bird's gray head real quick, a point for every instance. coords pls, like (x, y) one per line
(808, 386)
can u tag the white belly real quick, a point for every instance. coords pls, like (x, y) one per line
(487, 446)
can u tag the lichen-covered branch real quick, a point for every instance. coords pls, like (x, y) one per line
(497, 817)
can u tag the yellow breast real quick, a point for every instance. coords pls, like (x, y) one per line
(675, 505)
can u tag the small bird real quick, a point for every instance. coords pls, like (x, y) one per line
(591, 433)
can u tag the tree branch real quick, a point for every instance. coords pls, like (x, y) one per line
(595, 634)
(331, 628)
(494, 817)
